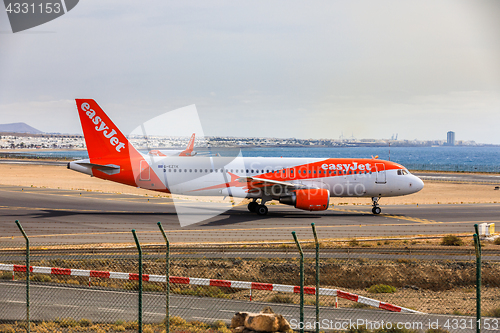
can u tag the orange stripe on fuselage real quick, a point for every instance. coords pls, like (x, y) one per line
(332, 167)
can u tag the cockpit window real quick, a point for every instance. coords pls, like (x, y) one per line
(402, 172)
(405, 172)
(399, 172)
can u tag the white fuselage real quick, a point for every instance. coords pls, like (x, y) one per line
(211, 176)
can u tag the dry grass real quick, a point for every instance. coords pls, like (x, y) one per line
(70, 325)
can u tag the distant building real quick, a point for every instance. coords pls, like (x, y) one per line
(450, 141)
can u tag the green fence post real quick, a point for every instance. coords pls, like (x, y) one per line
(167, 279)
(28, 269)
(301, 323)
(316, 324)
(477, 245)
(140, 281)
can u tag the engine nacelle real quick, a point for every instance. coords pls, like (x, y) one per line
(310, 199)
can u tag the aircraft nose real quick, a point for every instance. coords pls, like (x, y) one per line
(416, 184)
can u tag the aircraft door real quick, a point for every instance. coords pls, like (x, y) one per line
(145, 173)
(381, 176)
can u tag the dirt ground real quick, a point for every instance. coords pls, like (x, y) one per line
(59, 177)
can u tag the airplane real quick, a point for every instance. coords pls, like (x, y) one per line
(172, 152)
(305, 183)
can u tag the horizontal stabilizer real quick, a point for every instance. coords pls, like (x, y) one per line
(85, 166)
(109, 169)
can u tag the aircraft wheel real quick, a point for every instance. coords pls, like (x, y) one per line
(252, 206)
(261, 210)
(376, 210)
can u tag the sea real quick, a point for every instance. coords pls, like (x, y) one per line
(441, 158)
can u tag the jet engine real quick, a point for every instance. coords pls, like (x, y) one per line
(310, 199)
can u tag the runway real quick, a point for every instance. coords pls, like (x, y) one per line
(71, 217)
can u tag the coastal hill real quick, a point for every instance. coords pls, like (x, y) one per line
(19, 128)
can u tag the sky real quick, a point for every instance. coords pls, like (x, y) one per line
(319, 69)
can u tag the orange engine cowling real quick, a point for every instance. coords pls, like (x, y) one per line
(310, 199)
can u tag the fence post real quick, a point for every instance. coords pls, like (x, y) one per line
(477, 245)
(316, 324)
(301, 322)
(167, 279)
(28, 269)
(140, 281)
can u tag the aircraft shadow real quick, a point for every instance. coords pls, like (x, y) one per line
(231, 217)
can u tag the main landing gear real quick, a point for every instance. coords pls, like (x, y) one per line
(376, 209)
(255, 207)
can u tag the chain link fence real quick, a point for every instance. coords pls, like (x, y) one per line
(417, 282)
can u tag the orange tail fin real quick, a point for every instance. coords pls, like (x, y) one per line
(189, 148)
(103, 138)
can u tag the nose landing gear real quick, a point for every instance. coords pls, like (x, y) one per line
(376, 209)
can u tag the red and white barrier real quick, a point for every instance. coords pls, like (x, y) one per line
(208, 282)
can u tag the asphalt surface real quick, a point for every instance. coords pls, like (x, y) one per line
(100, 305)
(61, 216)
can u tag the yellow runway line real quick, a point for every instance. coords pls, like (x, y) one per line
(392, 216)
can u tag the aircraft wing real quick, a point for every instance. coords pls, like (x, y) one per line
(255, 184)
